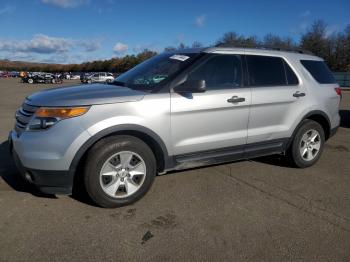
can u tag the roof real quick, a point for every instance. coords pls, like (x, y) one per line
(225, 49)
(297, 53)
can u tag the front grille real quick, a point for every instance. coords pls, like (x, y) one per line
(23, 116)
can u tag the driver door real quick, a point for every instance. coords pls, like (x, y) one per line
(216, 119)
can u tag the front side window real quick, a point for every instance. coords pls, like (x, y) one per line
(266, 71)
(219, 72)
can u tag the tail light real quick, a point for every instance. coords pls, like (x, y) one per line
(338, 91)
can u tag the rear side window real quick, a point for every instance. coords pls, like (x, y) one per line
(319, 71)
(269, 71)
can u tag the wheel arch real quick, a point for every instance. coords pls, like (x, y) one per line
(317, 116)
(156, 144)
(321, 118)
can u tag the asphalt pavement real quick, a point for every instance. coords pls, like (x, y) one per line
(257, 210)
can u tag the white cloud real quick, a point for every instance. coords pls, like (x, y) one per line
(89, 45)
(120, 48)
(200, 20)
(43, 44)
(46, 44)
(40, 43)
(65, 3)
(7, 9)
(43, 48)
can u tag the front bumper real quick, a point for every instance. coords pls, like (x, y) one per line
(49, 182)
(44, 158)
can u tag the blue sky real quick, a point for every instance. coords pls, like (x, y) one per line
(68, 31)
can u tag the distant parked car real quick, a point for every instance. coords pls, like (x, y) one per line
(14, 74)
(5, 75)
(42, 78)
(98, 78)
(75, 77)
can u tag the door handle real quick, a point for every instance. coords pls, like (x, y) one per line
(236, 99)
(299, 94)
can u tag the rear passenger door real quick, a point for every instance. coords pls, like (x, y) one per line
(95, 77)
(276, 98)
(212, 120)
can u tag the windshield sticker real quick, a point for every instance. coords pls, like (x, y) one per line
(180, 57)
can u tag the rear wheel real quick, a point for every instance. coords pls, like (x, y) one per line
(119, 171)
(30, 81)
(307, 145)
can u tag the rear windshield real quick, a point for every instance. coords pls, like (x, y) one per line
(319, 70)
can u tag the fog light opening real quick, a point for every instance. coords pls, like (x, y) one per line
(29, 177)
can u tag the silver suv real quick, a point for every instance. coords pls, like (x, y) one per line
(175, 111)
(102, 77)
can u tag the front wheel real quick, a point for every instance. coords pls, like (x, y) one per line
(30, 81)
(307, 145)
(119, 170)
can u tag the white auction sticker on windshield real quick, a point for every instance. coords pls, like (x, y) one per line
(179, 57)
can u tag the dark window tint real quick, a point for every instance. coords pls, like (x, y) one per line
(291, 77)
(266, 71)
(319, 71)
(219, 72)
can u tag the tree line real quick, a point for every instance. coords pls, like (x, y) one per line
(333, 47)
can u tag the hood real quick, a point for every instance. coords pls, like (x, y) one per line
(82, 95)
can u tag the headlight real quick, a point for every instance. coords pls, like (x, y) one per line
(45, 117)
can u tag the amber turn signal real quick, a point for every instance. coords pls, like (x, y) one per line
(61, 112)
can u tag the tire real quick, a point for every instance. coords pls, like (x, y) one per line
(111, 184)
(53, 81)
(109, 81)
(89, 81)
(30, 81)
(304, 152)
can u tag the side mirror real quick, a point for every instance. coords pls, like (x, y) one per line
(191, 86)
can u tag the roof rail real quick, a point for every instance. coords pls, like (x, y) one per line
(266, 47)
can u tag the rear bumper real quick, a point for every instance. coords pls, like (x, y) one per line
(48, 182)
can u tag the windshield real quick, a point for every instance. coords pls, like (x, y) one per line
(149, 74)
